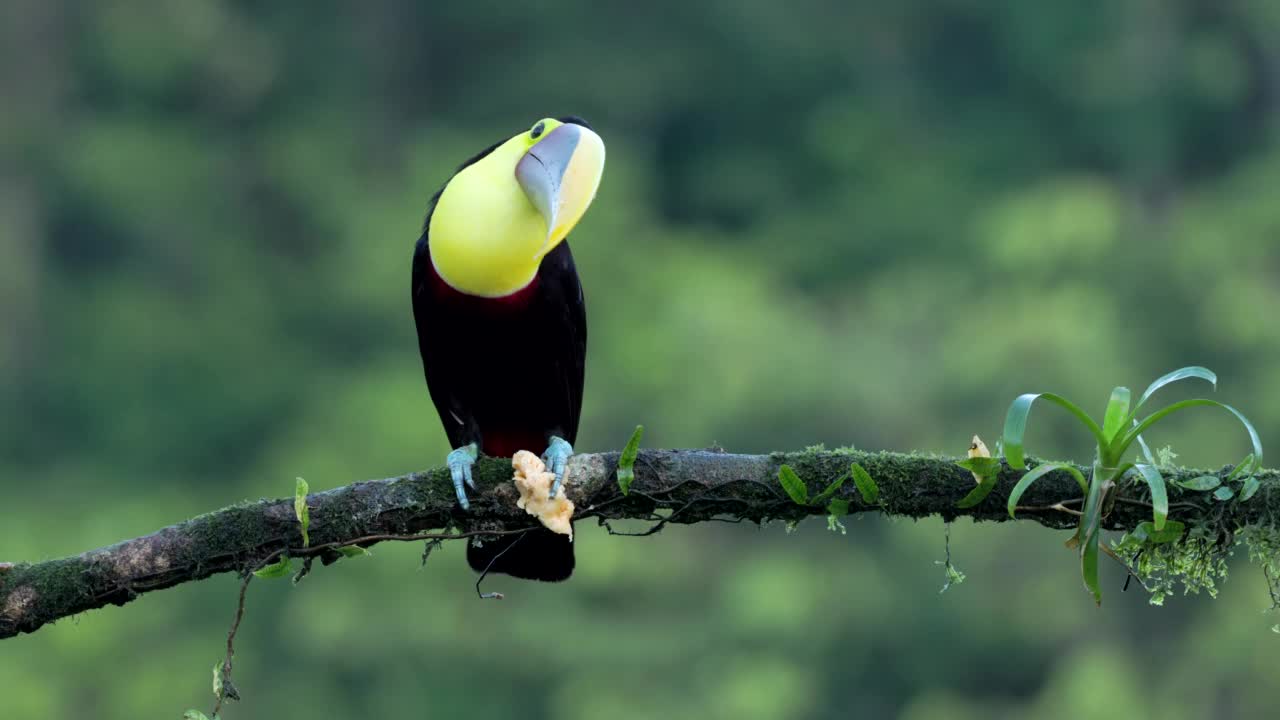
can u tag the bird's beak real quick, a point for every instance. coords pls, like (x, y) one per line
(560, 176)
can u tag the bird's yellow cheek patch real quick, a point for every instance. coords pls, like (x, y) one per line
(484, 233)
(534, 483)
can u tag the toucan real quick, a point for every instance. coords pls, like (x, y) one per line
(501, 320)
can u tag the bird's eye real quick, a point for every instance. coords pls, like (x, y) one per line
(536, 132)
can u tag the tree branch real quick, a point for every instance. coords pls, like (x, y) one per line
(671, 486)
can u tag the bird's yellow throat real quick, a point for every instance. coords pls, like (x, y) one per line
(498, 217)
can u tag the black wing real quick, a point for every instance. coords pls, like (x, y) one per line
(565, 312)
(433, 326)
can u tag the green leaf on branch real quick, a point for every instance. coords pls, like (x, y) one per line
(197, 715)
(1179, 374)
(300, 509)
(1089, 534)
(1223, 493)
(987, 469)
(1247, 464)
(1040, 471)
(353, 551)
(1015, 424)
(1159, 496)
(867, 487)
(981, 466)
(1089, 566)
(1249, 488)
(979, 492)
(1200, 483)
(1117, 412)
(795, 487)
(627, 461)
(1146, 532)
(277, 569)
(830, 492)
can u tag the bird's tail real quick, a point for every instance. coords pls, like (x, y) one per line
(537, 554)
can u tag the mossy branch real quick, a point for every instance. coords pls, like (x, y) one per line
(678, 486)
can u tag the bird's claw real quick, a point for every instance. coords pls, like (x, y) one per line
(460, 462)
(556, 458)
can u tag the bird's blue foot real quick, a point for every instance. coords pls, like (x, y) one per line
(460, 462)
(557, 455)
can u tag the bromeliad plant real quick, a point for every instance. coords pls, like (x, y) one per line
(1121, 428)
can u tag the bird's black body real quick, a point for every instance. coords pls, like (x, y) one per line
(507, 374)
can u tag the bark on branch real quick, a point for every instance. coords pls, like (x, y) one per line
(676, 486)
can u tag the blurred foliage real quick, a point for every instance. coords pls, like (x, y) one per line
(814, 213)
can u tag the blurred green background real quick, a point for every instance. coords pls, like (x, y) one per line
(839, 222)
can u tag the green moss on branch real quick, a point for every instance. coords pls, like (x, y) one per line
(681, 486)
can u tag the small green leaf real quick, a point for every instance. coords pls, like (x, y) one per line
(279, 568)
(300, 509)
(353, 551)
(1173, 530)
(627, 460)
(981, 490)
(794, 486)
(1249, 488)
(1159, 496)
(831, 490)
(196, 715)
(1015, 424)
(1089, 566)
(1245, 464)
(1040, 471)
(1091, 514)
(217, 679)
(1146, 532)
(1224, 493)
(1201, 483)
(1179, 374)
(982, 466)
(1089, 535)
(1117, 412)
(987, 471)
(867, 487)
